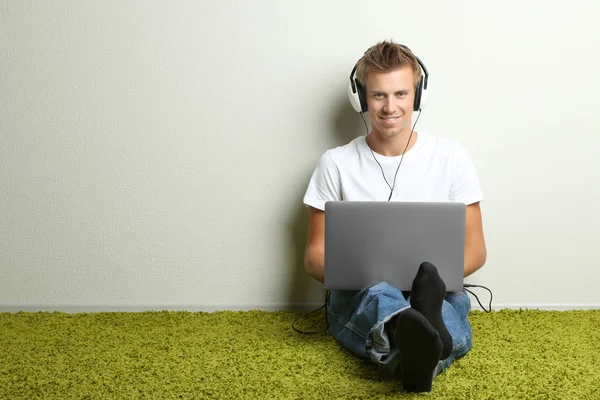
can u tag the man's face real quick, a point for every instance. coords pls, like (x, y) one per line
(390, 97)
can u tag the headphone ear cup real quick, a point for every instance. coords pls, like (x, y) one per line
(417, 104)
(361, 95)
(357, 97)
(354, 97)
(423, 98)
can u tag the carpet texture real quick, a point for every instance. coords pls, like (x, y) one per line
(517, 354)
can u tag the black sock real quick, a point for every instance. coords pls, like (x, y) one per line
(427, 296)
(420, 347)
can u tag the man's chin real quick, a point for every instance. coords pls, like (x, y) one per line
(389, 133)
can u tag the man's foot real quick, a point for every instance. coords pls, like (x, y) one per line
(427, 296)
(420, 348)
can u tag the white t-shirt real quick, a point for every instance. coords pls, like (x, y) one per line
(434, 169)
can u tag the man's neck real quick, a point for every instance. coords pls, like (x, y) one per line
(391, 147)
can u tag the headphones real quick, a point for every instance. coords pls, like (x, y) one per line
(356, 91)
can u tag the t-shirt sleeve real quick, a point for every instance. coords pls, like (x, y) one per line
(465, 185)
(324, 184)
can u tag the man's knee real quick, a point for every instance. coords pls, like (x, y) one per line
(382, 287)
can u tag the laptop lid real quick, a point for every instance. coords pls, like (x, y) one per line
(372, 241)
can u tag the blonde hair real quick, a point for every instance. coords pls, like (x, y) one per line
(385, 57)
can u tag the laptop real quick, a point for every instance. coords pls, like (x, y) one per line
(367, 242)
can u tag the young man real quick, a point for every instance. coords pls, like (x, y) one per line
(414, 335)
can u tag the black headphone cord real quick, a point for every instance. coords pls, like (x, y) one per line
(401, 158)
(467, 285)
(306, 315)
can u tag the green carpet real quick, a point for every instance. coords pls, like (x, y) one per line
(525, 354)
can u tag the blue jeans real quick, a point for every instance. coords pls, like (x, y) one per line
(357, 321)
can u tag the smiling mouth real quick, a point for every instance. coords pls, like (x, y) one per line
(390, 119)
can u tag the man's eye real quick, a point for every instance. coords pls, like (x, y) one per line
(378, 94)
(402, 93)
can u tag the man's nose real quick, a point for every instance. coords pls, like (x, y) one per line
(389, 105)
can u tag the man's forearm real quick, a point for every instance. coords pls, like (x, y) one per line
(314, 263)
(474, 260)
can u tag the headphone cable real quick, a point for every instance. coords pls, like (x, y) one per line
(467, 285)
(401, 158)
(307, 314)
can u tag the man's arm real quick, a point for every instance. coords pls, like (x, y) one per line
(475, 249)
(314, 254)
